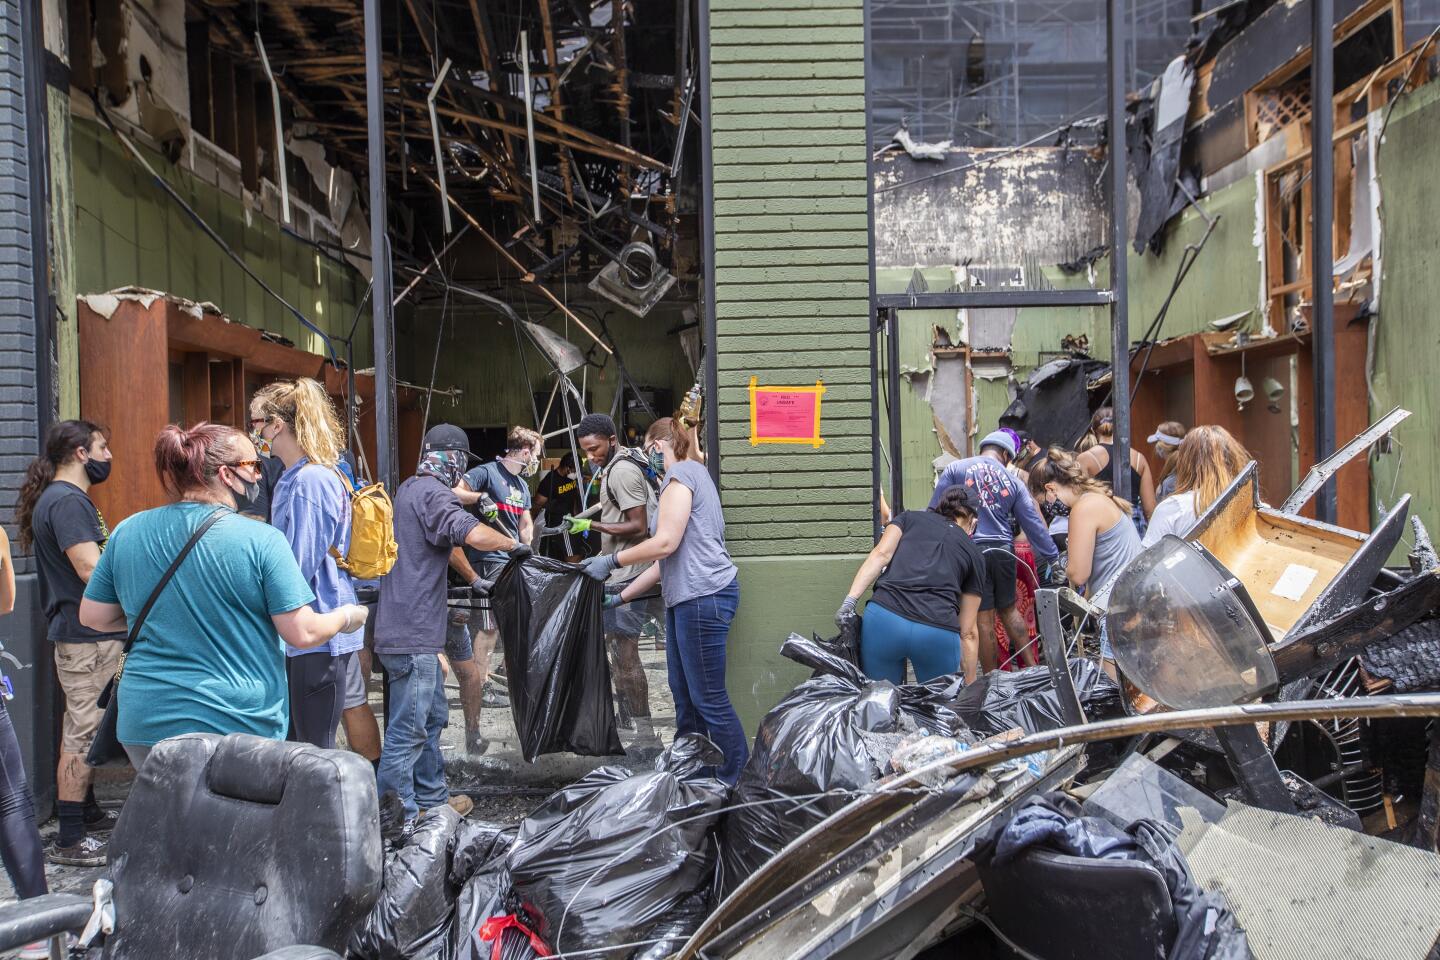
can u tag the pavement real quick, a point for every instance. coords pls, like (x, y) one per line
(503, 786)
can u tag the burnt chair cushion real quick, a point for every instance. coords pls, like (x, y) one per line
(231, 847)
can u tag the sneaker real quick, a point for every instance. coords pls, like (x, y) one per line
(461, 804)
(475, 743)
(495, 694)
(104, 819)
(89, 852)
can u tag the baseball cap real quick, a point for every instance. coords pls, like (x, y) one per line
(999, 439)
(446, 436)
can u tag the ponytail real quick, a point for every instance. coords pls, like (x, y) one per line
(306, 408)
(191, 459)
(673, 431)
(61, 441)
(1063, 469)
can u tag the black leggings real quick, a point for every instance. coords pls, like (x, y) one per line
(19, 840)
(317, 697)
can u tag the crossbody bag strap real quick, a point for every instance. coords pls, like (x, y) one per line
(206, 524)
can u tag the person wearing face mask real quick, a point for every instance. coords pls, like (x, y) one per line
(628, 500)
(60, 525)
(410, 624)
(558, 497)
(928, 577)
(205, 660)
(1167, 438)
(310, 504)
(1101, 538)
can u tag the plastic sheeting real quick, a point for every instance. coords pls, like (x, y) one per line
(834, 732)
(605, 860)
(560, 694)
(411, 921)
(1003, 700)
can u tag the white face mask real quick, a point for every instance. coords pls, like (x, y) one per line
(528, 468)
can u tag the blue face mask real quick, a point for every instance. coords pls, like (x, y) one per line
(657, 462)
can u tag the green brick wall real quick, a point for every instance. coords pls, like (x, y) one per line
(791, 300)
(791, 266)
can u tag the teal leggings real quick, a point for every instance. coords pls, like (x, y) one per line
(887, 640)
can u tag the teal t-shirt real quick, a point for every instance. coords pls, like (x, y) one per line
(207, 659)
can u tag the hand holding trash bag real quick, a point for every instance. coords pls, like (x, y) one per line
(599, 567)
(521, 551)
(846, 614)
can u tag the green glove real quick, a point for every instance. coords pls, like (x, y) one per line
(579, 524)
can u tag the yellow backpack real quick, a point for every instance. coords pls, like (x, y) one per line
(372, 549)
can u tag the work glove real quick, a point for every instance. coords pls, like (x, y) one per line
(480, 587)
(599, 567)
(520, 551)
(486, 507)
(612, 598)
(579, 524)
(355, 617)
(846, 613)
(1052, 574)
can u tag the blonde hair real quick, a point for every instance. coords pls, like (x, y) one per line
(1063, 469)
(304, 406)
(1208, 460)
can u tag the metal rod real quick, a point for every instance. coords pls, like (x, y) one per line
(892, 377)
(435, 138)
(981, 299)
(530, 123)
(33, 68)
(875, 422)
(421, 273)
(387, 450)
(280, 172)
(1322, 256)
(871, 314)
(1119, 223)
(708, 319)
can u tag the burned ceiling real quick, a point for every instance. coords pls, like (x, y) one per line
(610, 85)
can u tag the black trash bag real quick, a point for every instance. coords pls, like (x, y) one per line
(1004, 699)
(411, 920)
(670, 934)
(476, 844)
(559, 676)
(486, 910)
(604, 860)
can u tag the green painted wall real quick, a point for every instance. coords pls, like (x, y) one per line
(129, 232)
(1407, 333)
(792, 284)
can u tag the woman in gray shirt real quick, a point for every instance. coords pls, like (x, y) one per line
(701, 592)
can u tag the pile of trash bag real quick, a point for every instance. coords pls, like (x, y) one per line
(1204, 928)
(834, 732)
(613, 859)
(1003, 700)
(411, 920)
(548, 613)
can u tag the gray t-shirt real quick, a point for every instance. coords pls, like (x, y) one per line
(701, 565)
(623, 487)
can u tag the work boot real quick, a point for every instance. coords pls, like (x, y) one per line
(88, 852)
(461, 804)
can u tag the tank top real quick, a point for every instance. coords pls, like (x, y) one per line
(1132, 482)
(1113, 550)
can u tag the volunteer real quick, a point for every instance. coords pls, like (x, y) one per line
(1101, 539)
(310, 504)
(628, 500)
(999, 499)
(205, 660)
(498, 495)
(411, 620)
(20, 846)
(699, 586)
(1207, 461)
(1166, 439)
(1096, 460)
(928, 578)
(558, 497)
(59, 523)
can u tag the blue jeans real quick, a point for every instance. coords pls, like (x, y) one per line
(695, 635)
(887, 640)
(411, 764)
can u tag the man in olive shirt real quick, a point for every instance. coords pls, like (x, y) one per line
(627, 499)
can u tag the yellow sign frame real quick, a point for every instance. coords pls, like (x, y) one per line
(812, 440)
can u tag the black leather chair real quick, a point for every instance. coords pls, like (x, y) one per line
(230, 848)
(1060, 907)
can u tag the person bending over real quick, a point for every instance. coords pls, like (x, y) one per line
(928, 579)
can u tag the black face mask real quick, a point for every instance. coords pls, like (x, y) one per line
(97, 471)
(1052, 510)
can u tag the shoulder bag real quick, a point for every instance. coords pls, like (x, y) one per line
(105, 749)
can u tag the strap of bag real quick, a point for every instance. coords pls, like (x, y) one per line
(206, 524)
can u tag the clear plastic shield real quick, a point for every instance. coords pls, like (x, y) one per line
(1185, 631)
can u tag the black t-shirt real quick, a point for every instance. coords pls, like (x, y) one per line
(63, 517)
(933, 565)
(562, 495)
